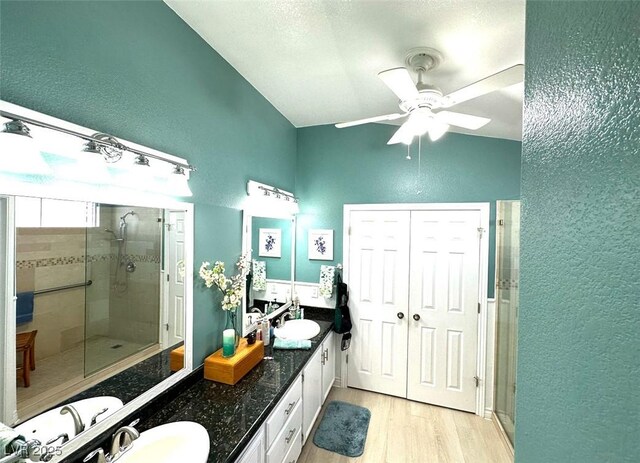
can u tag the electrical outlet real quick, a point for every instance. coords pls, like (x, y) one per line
(274, 289)
(314, 292)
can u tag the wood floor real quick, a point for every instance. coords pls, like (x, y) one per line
(402, 431)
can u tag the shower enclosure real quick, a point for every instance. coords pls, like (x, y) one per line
(92, 274)
(122, 304)
(507, 301)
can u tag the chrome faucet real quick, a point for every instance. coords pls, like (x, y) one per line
(122, 439)
(282, 320)
(64, 436)
(94, 418)
(257, 310)
(101, 457)
(77, 421)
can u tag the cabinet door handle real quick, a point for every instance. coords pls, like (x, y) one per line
(416, 317)
(290, 436)
(400, 315)
(289, 408)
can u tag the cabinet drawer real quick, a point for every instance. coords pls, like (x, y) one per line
(288, 437)
(283, 411)
(294, 451)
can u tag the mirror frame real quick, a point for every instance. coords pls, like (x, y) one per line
(247, 219)
(8, 400)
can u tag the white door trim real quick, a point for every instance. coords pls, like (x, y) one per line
(8, 401)
(484, 209)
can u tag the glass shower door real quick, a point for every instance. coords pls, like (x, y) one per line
(507, 301)
(122, 309)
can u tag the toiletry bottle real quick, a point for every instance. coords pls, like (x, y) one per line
(266, 332)
(296, 306)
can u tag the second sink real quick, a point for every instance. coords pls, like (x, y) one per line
(298, 330)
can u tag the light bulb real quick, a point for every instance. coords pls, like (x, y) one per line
(19, 153)
(437, 130)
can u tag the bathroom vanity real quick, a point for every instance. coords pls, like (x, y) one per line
(264, 418)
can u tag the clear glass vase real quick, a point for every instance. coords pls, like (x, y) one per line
(230, 337)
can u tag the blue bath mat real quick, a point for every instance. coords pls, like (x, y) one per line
(343, 429)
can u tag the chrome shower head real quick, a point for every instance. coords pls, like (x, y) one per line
(128, 213)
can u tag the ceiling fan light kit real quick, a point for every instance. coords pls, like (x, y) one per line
(420, 101)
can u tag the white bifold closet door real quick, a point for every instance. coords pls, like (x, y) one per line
(378, 293)
(443, 301)
(413, 279)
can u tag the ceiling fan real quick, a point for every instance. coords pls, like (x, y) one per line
(422, 103)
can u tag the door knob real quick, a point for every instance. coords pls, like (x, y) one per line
(416, 317)
(400, 315)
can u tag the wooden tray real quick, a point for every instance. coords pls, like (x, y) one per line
(176, 359)
(231, 370)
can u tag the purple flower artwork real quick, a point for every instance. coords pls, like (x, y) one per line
(321, 244)
(269, 243)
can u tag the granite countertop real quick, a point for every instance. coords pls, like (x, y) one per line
(233, 414)
(130, 383)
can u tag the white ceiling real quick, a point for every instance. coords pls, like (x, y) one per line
(317, 61)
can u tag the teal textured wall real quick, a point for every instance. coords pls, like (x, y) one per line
(355, 165)
(278, 268)
(578, 396)
(136, 70)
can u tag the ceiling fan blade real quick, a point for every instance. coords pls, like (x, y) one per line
(386, 117)
(466, 121)
(403, 135)
(400, 83)
(502, 79)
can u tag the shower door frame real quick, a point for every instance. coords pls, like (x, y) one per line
(494, 416)
(8, 398)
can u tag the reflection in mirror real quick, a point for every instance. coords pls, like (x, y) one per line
(91, 315)
(271, 254)
(97, 258)
(270, 242)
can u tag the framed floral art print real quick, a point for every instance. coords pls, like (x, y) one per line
(270, 242)
(321, 244)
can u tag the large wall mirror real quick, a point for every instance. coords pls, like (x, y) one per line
(97, 307)
(270, 243)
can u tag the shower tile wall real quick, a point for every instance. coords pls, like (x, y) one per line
(47, 258)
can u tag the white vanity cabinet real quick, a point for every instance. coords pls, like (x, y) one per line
(328, 364)
(311, 392)
(281, 437)
(319, 375)
(254, 452)
(283, 428)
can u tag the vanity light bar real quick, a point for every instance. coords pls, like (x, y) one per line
(109, 142)
(277, 193)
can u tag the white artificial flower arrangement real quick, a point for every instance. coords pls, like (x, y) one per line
(231, 288)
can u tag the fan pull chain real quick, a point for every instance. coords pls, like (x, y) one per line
(418, 189)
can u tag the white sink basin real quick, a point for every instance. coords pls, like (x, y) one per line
(182, 441)
(298, 330)
(51, 424)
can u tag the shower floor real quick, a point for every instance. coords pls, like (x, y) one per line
(63, 375)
